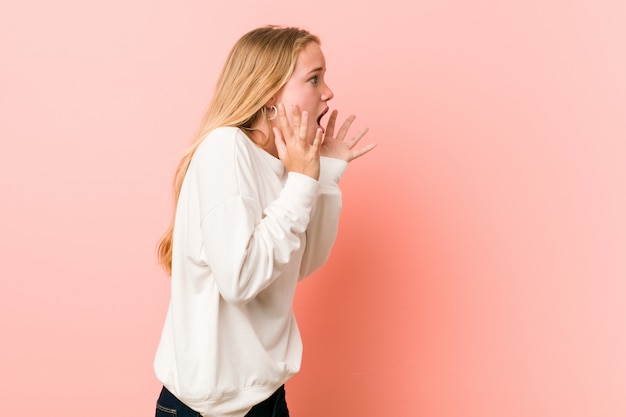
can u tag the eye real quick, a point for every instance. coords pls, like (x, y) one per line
(313, 80)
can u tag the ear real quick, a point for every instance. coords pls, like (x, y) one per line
(271, 102)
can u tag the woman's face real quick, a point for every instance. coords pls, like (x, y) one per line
(306, 87)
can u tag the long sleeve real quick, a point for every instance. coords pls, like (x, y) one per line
(324, 223)
(247, 246)
(244, 231)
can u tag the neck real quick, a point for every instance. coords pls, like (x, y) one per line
(262, 135)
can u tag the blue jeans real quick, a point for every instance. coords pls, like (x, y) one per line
(170, 406)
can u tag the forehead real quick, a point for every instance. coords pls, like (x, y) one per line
(310, 57)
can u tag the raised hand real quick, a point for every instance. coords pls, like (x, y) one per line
(294, 148)
(335, 147)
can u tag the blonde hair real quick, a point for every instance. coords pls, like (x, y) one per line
(257, 67)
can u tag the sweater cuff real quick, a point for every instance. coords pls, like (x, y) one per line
(331, 170)
(302, 187)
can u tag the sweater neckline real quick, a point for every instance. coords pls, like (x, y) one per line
(276, 164)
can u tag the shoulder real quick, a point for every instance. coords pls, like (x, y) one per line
(222, 135)
(225, 132)
(225, 139)
(225, 149)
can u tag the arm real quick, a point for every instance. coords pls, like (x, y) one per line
(323, 226)
(336, 154)
(245, 245)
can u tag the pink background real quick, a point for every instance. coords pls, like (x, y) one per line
(481, 265)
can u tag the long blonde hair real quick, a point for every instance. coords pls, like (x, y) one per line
(257, 67)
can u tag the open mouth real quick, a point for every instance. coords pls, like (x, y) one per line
(319, 120)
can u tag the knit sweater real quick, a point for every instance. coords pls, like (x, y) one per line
(246, 231)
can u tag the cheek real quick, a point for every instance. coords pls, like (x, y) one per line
(309, 105)
(300, 97)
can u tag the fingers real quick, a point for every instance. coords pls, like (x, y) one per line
(283, 121)
(330, 126)
(362, 151)
(345, 127)
(352, 142)
(317, 142)
(292, 146)
(296, 115)
(281, 147)
(336, 147)
(300, 123)
(304, 123)
(291, 138)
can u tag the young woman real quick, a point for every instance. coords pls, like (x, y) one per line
(257, 208)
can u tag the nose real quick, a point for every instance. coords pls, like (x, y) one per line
(328, 94)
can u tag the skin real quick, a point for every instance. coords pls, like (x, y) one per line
(296, 137)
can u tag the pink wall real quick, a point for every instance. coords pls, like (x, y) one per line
(481, 267)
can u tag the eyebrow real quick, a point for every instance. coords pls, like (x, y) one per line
(318, 69)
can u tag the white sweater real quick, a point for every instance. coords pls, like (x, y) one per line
(246, 231)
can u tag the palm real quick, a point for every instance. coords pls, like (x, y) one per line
(335, 147)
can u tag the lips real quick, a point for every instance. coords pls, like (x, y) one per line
(319, 119)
